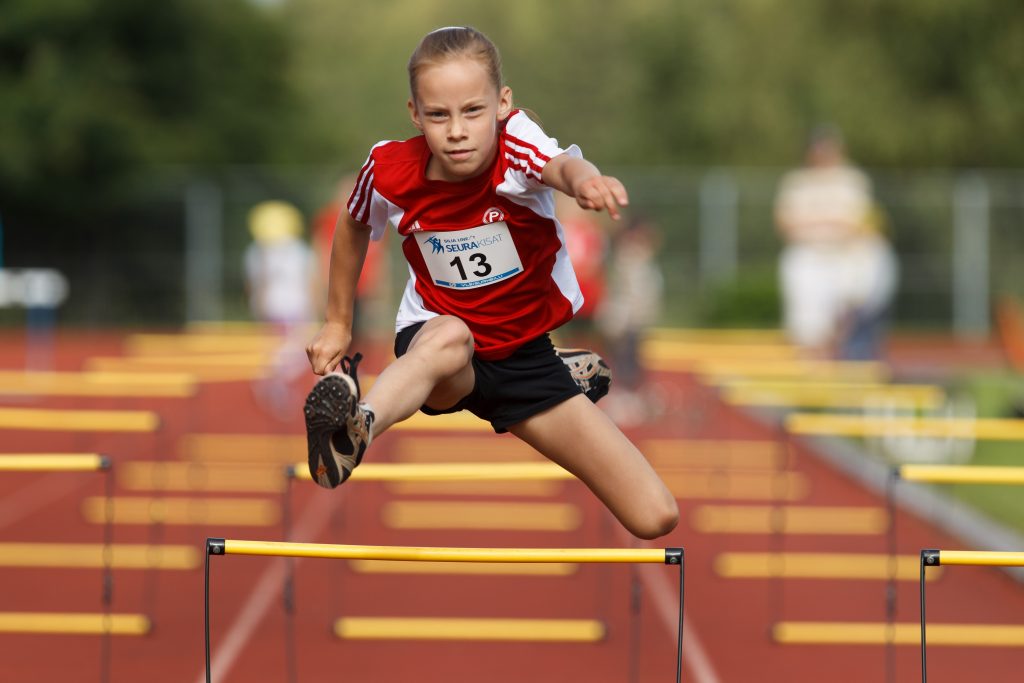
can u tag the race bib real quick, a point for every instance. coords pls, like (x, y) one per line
(464, 259)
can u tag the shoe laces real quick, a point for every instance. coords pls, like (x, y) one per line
(348, 366)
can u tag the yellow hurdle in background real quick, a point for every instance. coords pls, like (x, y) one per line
(832, 394)
(53, 462)
(57, 420)
(961, 474)
(983, 429)
(98, 384)
(452, 471)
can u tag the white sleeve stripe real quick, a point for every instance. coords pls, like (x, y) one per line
(534, 149)
(537, 161)
(366, 202)
(358, 206)
(362, 173)
(523, 165)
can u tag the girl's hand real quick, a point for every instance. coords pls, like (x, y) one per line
(328, 346)
(601, 192)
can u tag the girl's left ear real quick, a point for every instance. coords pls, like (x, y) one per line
(504, 103)
(415, 116)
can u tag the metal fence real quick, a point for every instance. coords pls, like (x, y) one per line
(959, 237)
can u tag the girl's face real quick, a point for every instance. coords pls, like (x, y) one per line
(458, 109)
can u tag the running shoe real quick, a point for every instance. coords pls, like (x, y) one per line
(338, 427)
(591, 373)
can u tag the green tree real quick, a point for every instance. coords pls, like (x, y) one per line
(731, 82)
(94, 91)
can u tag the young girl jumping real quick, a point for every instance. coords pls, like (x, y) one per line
(489, 278)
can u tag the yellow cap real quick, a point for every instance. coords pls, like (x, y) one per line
(274, 221)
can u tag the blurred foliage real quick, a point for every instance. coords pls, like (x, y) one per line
(94, 91)
(995, 395)
(750, 300)
(108, 108)
(735, 82)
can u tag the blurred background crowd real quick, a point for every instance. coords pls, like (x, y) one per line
(136, 140)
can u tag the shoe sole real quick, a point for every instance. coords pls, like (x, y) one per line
(325, 414)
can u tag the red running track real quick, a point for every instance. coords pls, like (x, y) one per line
(728, 620)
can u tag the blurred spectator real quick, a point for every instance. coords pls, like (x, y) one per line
(871, 278)
(587, 246)
(373, 305)
(279, 265)
(837, 270)
(280, 281)
(631, 307)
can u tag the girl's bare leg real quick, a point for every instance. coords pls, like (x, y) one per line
(577, 435)
(435, 371)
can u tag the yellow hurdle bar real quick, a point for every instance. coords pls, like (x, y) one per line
(491, 489)
(277, 449)
(972, 558)
(663, 350)
(789, 519)
(182, 510)
(98, 556)
(220, 546)
(721, 370)
(436, 628)
(450, 471)
(832, 394)
(841, 566)
(53, 462)
(496, 516)
(219, 368)
(197, 476)
(70, 623)
(55, 420)
(961, 474)
(985, 429)
(97, 384)
(881, 633)
(147, 344)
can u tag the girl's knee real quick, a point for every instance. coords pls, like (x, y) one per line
(659, 520)
(445, 335)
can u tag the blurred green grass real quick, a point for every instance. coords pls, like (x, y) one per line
(995, 394)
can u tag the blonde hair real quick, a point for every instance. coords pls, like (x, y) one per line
(451, 42)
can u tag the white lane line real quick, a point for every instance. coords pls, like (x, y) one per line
(267, 591)
(665, 601)
(663, 596)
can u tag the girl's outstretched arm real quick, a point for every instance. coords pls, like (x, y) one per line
(351, 238)
(579, 178)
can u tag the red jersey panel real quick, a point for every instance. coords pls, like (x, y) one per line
(487, 250)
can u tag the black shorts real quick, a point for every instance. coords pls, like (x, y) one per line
(512, 389)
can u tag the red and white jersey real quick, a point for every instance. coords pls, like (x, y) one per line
(487, 250)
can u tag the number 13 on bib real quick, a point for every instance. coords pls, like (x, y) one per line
(476, 257)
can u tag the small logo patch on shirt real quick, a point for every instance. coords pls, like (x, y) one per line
(493, 215)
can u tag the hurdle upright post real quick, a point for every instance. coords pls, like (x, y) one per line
(929, 558)
(221, 546)
(676, 556)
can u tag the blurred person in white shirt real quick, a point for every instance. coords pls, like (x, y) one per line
(837, 271)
